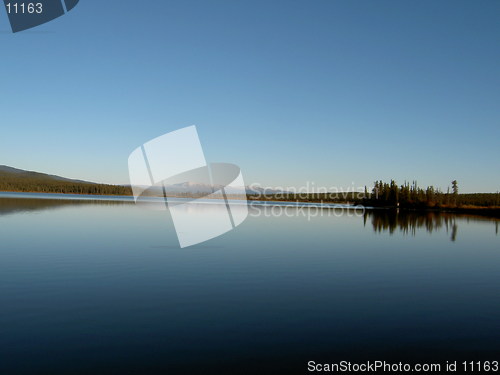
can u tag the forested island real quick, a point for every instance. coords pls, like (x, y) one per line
(412, 196)
(391, 194)
(406, 196)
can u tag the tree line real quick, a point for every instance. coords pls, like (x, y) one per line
(411, 195)
(23, 183)
(382, 194)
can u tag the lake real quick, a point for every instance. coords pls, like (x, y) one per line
(101, 286)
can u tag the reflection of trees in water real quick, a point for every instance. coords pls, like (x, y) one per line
(454, 232)
(17, 205)
(408, 222)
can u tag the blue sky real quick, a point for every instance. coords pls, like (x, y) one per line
(331, 92)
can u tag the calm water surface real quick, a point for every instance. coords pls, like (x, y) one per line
(102, 287)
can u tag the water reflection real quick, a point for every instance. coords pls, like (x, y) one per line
(20, 205)
(94, 289)
(387, 221)
(409, 222)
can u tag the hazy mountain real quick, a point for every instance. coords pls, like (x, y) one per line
(197, 188)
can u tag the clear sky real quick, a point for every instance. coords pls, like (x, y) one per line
(331, 92)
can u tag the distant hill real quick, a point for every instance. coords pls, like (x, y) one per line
(19, 180)
(5, 171)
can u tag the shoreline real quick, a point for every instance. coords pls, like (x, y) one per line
(492, 212)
